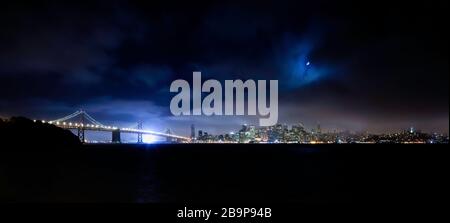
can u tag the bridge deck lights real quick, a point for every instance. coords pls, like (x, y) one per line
(99, 127)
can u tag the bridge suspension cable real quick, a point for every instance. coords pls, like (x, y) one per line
(92, 119)
(67, 117)
(77, 113)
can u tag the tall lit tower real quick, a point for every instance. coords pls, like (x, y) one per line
(192, 131)
(139, 126)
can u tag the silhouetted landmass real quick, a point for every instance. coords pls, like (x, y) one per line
(33, 157)
(18, 132)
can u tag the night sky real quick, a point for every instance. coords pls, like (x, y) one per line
(378, 67)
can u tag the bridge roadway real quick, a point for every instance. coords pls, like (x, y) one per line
(81, 126)
(115, 130)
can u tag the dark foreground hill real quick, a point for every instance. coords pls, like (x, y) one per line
(19, 132)
(33, 156)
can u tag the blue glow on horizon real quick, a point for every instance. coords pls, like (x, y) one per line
(150, 139)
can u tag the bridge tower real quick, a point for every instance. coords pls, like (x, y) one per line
(81, 128)
(168, 139)
(116, 136)
(81, 134)
(139, 126)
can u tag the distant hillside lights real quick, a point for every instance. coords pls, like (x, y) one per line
(212, 103)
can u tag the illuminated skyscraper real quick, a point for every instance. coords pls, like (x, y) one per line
(192, 131)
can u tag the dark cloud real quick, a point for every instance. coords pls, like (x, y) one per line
(377, 67)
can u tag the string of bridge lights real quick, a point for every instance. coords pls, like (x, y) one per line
(77, 125)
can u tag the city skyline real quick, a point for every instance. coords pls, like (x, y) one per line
(89, 130)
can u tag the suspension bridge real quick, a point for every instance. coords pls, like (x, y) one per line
(82, 121)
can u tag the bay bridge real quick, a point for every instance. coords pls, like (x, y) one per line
(82, 121)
